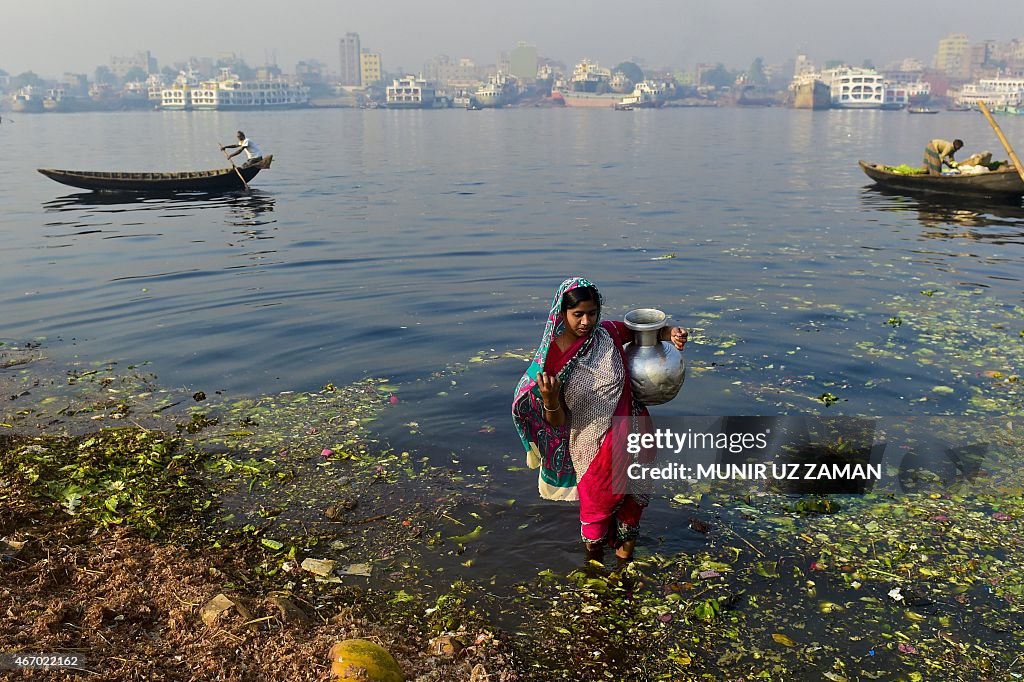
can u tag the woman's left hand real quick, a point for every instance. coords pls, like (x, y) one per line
(678, 336)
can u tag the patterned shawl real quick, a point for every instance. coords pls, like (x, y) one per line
(592, 378)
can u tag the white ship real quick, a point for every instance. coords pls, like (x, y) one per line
(645, 94)
(497, 92)
(178, 95)
(855, 88)
(229, 92)
(997, 93)
(410, 92)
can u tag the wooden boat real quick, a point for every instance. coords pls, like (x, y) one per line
(922, 110)
(1002, 182)
(188, 181)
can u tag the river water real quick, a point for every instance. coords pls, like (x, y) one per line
(420, 245)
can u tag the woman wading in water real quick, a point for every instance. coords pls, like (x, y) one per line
(563, 409)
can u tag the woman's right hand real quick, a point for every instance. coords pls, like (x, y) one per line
(550, 390)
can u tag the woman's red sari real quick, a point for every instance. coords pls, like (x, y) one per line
(600, 505)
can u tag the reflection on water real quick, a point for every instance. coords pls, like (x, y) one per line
(247, 210)
(953, 217)
(243, 209)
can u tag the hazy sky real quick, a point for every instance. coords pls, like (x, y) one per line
(53, 36)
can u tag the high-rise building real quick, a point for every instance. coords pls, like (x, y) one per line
(524, 63)
(120, 66)
(952, 55)
(369, 67)
(978, 60)
(350, 52)
(445, 72)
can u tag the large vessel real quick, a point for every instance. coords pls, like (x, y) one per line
(586, 99)
(410, 92)
(646, 94)
(589, 86)
(178, 95)
(229, 92)
(855, 88)
(808, 91)
(997, 93)
(588, 76)
(498, 91)
(26, 100)
(896, 97)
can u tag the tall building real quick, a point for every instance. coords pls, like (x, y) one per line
(350, 52)
(978, 60)
(120, 66)
(952, 56)
(447, 73)
(524, 63)
(369, 67)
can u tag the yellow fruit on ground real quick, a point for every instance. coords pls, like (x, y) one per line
(358, 660)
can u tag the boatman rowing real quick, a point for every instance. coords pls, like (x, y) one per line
(253, 155)
(938, 152)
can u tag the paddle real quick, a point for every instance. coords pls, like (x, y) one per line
(1002, 138)
(240, 176)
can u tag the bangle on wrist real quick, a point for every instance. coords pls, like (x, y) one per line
(551, 409)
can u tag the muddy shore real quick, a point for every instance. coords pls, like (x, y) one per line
(163, 535)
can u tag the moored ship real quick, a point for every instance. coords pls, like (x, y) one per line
(855, 88)
(810, 92)
(26, 101)
(997, 93)
(589, 86)
(646, 94)
(497, 92)
(410, 92)
(587, 99)
(588, 76)
(229, 92)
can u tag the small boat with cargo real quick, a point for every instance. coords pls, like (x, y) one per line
(219, 180)
(1003, 181)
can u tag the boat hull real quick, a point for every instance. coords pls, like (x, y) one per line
(591, 100)
(30, 106)
(816, 95)
(1004, 182)
(190, 181)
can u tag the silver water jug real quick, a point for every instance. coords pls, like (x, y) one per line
(656, 368)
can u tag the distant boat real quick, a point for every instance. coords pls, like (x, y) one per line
(188, 181)
(921, 110)
(645, 95)
(412, 92)
(26, 101)
(228, 92)
(499, 90)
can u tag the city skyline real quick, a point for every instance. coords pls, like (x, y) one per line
(57, 36)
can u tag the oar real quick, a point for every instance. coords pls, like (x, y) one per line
(240, 176)
(1002, 138)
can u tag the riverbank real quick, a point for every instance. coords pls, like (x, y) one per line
(166, 535)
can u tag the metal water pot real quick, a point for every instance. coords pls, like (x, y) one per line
(656, 368)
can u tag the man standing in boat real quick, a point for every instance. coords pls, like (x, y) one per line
(253, 155)
(938, 152)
